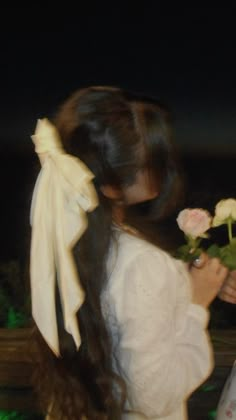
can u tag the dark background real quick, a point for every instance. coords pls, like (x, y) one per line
(184, 56)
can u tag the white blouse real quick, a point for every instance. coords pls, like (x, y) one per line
(160, 344)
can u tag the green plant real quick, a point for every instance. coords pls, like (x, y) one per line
(14, 299)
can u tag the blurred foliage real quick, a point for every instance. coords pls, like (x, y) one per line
(15, 415)
(14, 296)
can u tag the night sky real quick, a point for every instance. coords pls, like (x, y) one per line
(185, 57)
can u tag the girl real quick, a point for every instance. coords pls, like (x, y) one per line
(122, 335)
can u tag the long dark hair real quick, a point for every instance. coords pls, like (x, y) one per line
(116, 134)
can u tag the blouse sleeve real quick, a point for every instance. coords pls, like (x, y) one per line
(162, 364)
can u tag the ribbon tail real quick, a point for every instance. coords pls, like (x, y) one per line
(42, 266)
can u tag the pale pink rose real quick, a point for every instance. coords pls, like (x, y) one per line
(194, 222)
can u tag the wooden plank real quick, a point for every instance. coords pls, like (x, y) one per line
(224, 344)
(16, 374)
(14, 345)
(18, 399)
(16, 368)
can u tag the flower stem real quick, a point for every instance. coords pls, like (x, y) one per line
(229, 224)
(193, 243)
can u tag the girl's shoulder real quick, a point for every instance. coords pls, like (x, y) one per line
(127, 248)
(140, 270)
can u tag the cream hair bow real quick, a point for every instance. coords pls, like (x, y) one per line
(62, 195)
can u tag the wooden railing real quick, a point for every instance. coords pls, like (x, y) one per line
(16, 369)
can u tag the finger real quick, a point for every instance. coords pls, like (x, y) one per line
(214, 263)
(228, 290)
(222, 271)
(227, 298)
(232, 278)
(231, 282)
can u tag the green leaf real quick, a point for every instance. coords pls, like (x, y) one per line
(185, 253)
(15, 319)
(214, 251)
(182, 252)
(12, 415)
(212, 414)
(208, 387)
(228, 256)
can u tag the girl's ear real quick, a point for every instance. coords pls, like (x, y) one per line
(109, 191)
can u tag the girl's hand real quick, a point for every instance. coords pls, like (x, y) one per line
(228, 289)
(208, 276)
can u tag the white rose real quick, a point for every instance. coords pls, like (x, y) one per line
(194, 222)
(225, 209)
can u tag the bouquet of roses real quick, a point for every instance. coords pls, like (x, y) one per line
(196, 222)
